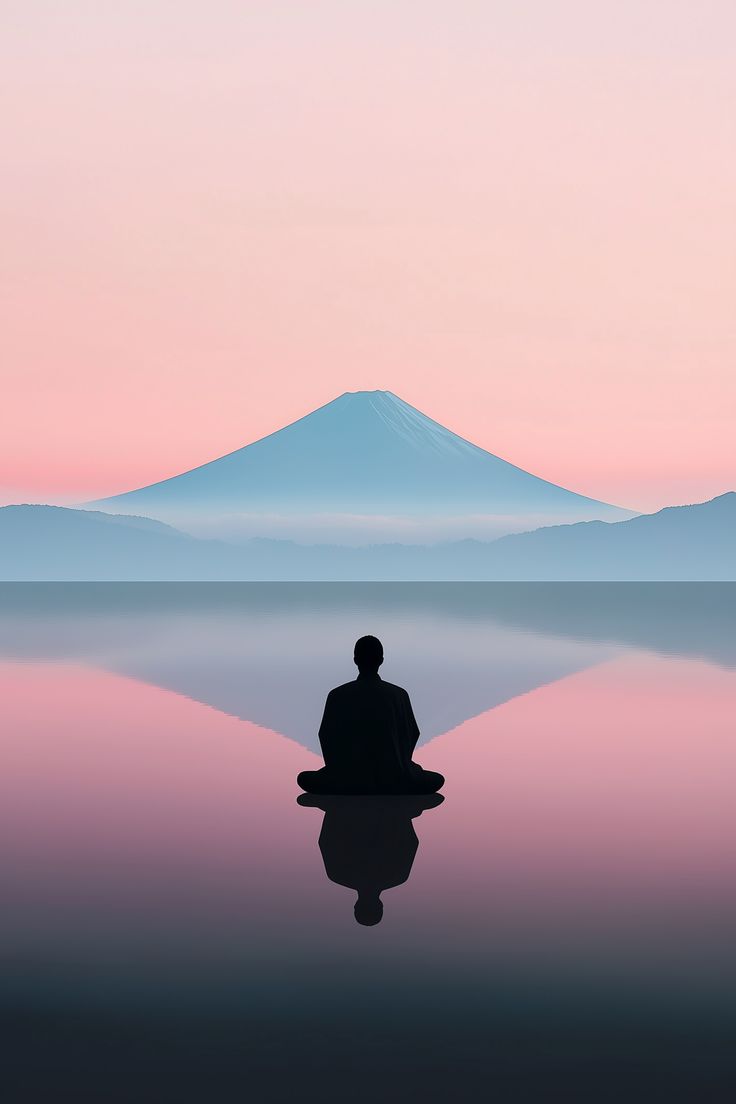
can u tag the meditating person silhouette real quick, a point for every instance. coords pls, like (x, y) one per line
(368, 734)
(368, 844)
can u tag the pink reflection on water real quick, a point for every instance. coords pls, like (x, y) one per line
(609, 790)
(598, 800)
(114, 792)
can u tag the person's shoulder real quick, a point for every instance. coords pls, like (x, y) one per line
(342, 689)
(392, 688)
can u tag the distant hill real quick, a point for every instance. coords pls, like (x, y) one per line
(368, 466)
(678, 543)
(52, 542)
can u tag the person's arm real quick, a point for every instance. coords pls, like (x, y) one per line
(327, 729)
(412, 728)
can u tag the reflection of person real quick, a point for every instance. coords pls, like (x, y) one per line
(368, 844)
(368, 734)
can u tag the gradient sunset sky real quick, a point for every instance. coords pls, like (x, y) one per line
(518, 216)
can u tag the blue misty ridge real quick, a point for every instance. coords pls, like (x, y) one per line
(678, 543)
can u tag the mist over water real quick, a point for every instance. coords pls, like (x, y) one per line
(568, 915)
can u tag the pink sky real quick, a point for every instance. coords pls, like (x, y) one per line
(519, 217)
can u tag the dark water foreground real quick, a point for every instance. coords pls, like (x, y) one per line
(565, 928)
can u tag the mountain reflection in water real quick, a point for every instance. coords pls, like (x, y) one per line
(268, 653)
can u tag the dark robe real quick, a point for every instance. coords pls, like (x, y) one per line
(367, 735)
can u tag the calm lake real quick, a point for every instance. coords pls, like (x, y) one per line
(168, 929)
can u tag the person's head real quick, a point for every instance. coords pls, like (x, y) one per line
(368, 909)
(368, 654)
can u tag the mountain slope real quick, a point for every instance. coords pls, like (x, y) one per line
(52, 542)
(677, 543)
(364, 453)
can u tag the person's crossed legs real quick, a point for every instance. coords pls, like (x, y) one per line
(324, 782)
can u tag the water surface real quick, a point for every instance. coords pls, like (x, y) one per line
(168, 927)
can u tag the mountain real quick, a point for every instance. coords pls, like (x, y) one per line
(678, 543)
(52, 542)
(367, 466)
(695, 542)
